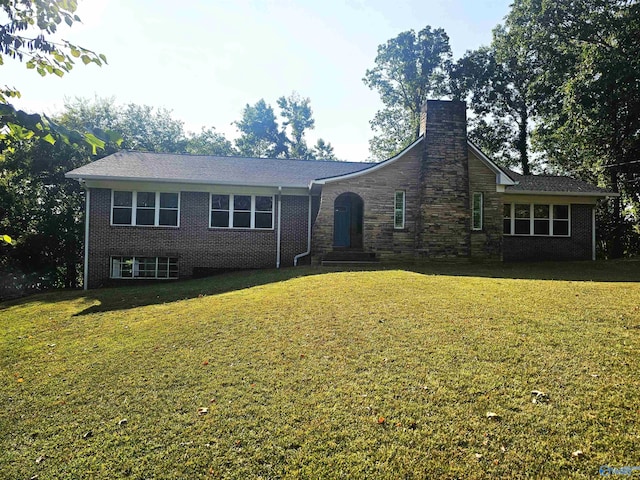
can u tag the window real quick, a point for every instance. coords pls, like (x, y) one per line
(536, 219)
(476, 214)
(144, 267)
(151, 208)
(399, 209)
(241, 211)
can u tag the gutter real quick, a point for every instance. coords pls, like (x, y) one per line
(304, 254)
(87, 210)
(562, 194)
(279, 227)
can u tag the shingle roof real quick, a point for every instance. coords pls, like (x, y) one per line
(551, 184)
(204, 169)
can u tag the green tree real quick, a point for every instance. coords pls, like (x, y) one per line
(408, 69)
(496, 82)
(323, 151)
(260, 134)
(588, 94)
(25, 36)
(297, 119)
(209, 142)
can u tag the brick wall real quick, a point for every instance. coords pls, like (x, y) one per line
(575, 247)
(194, 243)
(444, 221)
(377, 190)
(486, 243)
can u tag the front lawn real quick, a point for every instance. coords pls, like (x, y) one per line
(312, 373)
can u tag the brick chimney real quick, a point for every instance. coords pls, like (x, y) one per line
(444, 222)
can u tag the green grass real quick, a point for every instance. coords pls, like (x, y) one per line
(299, 367)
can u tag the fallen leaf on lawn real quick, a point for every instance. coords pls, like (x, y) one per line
(206, 362)
(20, 380)
(40, 459)
(578, 454)
(478, 456)
(381, 420)
(203, 411)
(503, 449)
(88, 434)
(493, 416)
(123, 421)
(539, 397)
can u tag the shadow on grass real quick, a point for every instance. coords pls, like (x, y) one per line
(138, 295)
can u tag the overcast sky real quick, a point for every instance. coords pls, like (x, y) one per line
(205, 60)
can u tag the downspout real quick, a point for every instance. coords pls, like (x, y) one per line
(304, 254)
(593, 233)
(279, 227)
(87, 207)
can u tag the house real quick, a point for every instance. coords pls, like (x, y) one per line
(165, 216)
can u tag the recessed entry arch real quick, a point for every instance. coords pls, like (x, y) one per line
(348, 211)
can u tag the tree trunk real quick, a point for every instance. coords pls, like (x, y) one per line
(522, 141)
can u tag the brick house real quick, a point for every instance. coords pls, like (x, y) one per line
(165, 216)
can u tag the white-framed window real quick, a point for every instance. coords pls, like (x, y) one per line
(477, 211)
(241, 211)
(535, 219)
(399, 206)
(144, 267)
(152, 209)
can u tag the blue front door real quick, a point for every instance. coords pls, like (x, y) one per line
(342, 225)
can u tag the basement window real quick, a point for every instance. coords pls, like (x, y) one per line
(144, 267)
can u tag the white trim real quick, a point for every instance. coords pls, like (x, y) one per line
(532, 219)
(501, 176)
(87, 210)
(561, 194)
(395, 209)
(133, 268)
(373, 168)
(308, 251)
(473, 203)
(134, 208)
(252, 211)
(279, 232)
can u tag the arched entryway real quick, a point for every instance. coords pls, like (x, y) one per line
(347, 221)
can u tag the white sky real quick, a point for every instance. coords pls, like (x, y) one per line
(205, 60)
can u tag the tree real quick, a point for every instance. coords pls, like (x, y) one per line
(260, 135)
(298, 117)
(497, 82)
(409, 68)
(588, 96)
(209, 142)
(323, 151)
(26, 36)
(393, 130)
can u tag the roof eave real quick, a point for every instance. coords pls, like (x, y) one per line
(560, 193)
(373, 168)
(109, 178)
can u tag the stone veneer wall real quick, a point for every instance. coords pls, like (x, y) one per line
(377, 190)
(444, 220)
(194, 243)
(485, 243)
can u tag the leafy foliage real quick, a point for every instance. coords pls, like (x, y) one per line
(588, 96)
(497, 83)
(408, 69)
(26, 36)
